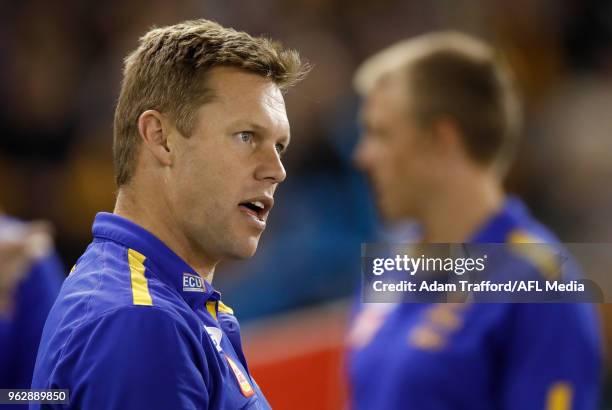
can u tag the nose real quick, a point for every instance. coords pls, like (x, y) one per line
(270, 167)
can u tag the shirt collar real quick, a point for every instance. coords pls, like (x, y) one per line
(497, 228)
(160, 259)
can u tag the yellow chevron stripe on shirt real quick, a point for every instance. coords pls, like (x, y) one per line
(223, 308)
(537, 251)
(211, 306)
(559, 397)
(140, 286)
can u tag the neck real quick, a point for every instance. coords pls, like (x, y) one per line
(456, 214)
(157, 218)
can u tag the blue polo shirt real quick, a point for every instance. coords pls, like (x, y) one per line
(475, 356)
(135, 327)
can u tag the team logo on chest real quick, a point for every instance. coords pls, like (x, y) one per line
(440, 321)
(216, 335)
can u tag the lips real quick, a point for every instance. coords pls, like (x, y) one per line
(257, 207)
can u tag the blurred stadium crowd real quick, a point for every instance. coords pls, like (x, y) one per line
(60, 68)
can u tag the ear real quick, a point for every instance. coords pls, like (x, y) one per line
(154, 134)
(449, 141)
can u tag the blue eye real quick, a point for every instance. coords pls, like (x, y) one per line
(246, 136)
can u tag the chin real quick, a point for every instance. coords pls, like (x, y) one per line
(246, 249)
(389, 213)
(391, 217)
(397, 209)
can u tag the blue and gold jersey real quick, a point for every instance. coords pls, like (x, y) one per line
(135, 327)
(478, 356)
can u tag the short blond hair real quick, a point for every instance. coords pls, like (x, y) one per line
(167, 73)
(453, 75)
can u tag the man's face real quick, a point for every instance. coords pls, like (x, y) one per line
(395, 153)
(225, 174)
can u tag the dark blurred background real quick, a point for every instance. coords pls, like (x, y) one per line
(60, 69)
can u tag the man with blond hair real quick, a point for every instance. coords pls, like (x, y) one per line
(200, 127)
(440, 125)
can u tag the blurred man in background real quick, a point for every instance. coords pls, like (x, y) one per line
(30, 278)
(200, 127)
(441, 121)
